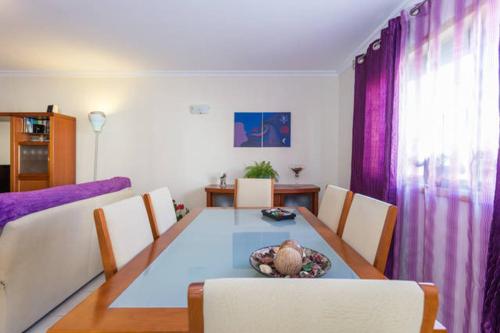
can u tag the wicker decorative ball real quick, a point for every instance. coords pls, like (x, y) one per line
(288, 261)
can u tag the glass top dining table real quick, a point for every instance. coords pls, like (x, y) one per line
(149, 293)
(218, 244)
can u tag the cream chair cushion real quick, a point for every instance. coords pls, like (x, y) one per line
(331, 206)
(302, 305)
(128, 227)
(163, 207)
(254, 193)
(364, 225)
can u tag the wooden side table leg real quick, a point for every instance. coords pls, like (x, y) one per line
(315, 203)
(278, 202)
(209, 199)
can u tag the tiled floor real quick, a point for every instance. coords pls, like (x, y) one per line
(52, 317)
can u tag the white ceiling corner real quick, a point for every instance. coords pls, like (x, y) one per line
(184, 37)
(348, 62)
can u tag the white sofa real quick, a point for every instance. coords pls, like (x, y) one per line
(45, 257)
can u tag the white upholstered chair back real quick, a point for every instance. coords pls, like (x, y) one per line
(161, 210)
(369, 227)
(123, 230)
(252, 193)
(334, 207)
(311, 305)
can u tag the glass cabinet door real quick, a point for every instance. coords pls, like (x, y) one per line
(33, 159)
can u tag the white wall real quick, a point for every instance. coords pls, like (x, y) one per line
(4, 142)
(346, 105)
(151, 137)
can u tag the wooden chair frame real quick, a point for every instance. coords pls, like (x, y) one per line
(384, 244)
(235, 200)
(107, 254)
(148, 202)
(345, 211)
(196, 320)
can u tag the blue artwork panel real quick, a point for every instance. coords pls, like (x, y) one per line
(276, 129)
(248, 129)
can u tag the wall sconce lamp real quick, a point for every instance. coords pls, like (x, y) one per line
(97, 120)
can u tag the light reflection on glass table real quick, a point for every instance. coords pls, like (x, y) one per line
(218, 244)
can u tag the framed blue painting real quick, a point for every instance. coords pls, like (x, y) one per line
(248, 129)
(276, 129)
(262, 129)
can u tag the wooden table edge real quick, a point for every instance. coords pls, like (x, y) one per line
(288, 189)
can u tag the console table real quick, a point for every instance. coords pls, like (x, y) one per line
(284, 195)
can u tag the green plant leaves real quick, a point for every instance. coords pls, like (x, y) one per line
(262, 169)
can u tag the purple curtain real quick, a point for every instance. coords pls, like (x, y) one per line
(491, 306)
(375, 119)
(437, 59)
(373, 166)
(447, 155)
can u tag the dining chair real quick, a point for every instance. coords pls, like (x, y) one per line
(123, 230)
(334, 208)
(369, 228)
(311, 305)
(253, 193)
(160, 209)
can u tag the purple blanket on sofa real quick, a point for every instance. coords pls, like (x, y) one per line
(18, 204)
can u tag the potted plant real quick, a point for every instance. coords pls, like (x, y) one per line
(262, 169)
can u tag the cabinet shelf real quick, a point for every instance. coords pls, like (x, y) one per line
(33, 176)
(36, 134)
(34, 143)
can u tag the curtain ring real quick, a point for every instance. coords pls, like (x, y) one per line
(416, 9)
(376, 45)
(360, 59)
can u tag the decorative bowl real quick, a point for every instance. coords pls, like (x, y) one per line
(278, 214)
(314, 264)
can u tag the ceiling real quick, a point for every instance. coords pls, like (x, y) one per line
(185, 35)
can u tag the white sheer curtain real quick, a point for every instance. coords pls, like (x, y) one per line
(448, 141)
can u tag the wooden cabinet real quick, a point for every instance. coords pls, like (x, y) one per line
(42, 150)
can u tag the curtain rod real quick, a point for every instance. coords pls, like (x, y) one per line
(376, 44)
